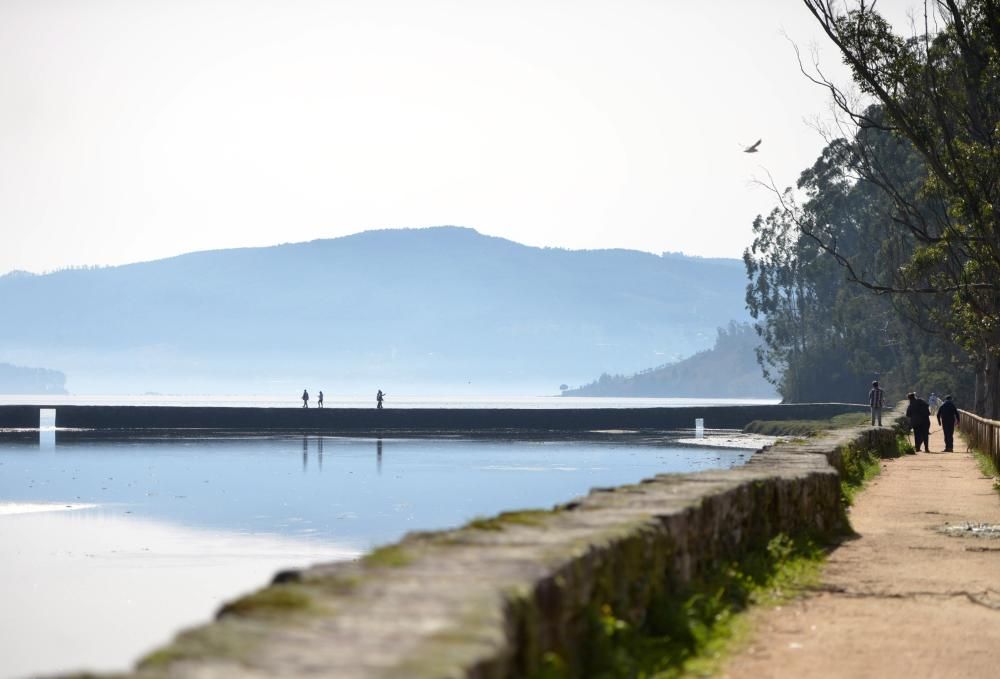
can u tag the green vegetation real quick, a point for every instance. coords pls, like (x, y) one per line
(806, 427)
(274, 599)
(860, 465)
(688, 631)
(388, 556)
(903, 206)
(988, 468)
(530, 517)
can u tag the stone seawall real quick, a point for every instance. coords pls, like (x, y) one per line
(415, 420)
(497, 597)
(19, 417)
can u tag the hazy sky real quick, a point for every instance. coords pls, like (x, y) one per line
(136, 129)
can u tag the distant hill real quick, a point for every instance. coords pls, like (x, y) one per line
(16, 379)
(727, 370)
(439, 308)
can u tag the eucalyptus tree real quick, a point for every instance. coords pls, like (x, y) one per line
(939, 90)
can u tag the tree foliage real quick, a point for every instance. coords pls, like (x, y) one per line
(823, 339)
(931, 148)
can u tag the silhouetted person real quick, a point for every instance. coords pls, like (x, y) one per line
(876, 399)
(947, 417)
(319, 399)
(379, 397)
(305, 398)
(920, 419)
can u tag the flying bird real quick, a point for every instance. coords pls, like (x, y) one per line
(753, 147)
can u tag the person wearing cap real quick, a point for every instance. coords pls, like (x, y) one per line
(876, 399)
(947, 417)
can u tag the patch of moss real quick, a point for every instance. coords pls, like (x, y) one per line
(273, 599)
(531, 517)
(690, 631)
(215, 641)
(388, 556)
(337, 584)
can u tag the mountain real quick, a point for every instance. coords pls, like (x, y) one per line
(15, 379)
(727, 370)
(403, 309)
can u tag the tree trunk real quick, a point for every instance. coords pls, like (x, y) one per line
(991, 387)
(979, 406)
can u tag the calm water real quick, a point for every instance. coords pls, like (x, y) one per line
(107, 547)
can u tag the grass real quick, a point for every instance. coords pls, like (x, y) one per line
(861, 465)
(530, 517)
(273, 599)
(690, 633)
(389, 556)
(806, 427)
(988, 468)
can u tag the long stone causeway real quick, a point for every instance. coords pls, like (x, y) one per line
(364, 421)
(501, 597)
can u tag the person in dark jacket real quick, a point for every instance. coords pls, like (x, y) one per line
(947, 417)
(920, 420)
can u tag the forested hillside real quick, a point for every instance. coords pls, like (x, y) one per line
(727, 370)
(15, 379)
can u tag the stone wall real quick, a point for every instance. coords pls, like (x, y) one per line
(369, 421)
(491, 599)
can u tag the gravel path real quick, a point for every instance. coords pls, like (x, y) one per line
(904, 599)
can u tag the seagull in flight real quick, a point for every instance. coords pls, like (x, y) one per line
(753, 147)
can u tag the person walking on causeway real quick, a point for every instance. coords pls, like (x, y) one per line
(319, 399)
(305, 398)
(920, 420)
(947, 417)
(876, 399)
(378, 399)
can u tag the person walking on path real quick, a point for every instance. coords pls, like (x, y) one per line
(305, 398)
(876, 399)
(920, 420)
(319, 399)
(378, 399)
(947, 417)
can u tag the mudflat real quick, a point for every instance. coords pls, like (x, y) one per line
(915, 594)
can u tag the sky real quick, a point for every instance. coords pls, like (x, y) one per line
(137, 129)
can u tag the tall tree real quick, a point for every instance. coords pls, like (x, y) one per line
(822, 339)
(940, 92)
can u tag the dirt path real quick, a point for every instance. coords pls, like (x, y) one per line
(903, 599)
